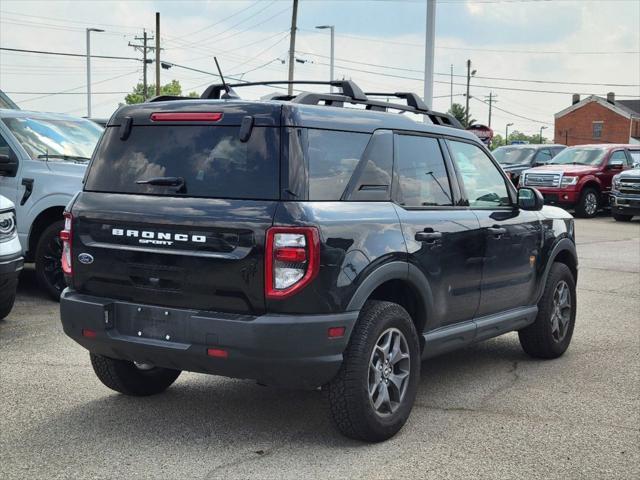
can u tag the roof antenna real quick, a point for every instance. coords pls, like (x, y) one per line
(224, 84)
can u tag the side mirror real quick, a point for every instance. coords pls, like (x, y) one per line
(616, 165)
(8, 165)
(530, 199)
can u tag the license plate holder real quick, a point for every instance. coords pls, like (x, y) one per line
(151, 322)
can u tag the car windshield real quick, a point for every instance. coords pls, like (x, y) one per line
(55, 139)
(579, 156)
(513, 156)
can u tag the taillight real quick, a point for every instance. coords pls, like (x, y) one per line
(292, 259)
(66, 237)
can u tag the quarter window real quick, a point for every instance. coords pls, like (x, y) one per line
(421, 176)
(484, 184)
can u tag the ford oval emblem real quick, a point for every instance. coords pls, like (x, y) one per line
(85, 258)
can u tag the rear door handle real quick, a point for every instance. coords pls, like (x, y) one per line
(428, 237)
(497, 231)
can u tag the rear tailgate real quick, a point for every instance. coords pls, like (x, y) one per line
(201, 254)
(195, 238)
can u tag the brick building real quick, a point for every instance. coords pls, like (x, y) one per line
(598, 120)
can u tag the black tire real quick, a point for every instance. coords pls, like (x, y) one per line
(619, 217)
(125, 377)
(7, 298)
(48, 260)
(584, 208)
(351, 407)
(539, 339)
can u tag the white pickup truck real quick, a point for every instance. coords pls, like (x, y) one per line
(10, 256)
(43, 157)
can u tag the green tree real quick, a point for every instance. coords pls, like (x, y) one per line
(460, 113)
(171, 88)
(496, 141)
(517, 136)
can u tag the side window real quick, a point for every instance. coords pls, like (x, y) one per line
(543, 156)
(483, 182)
(618, 156)
(635, 157)
(420, 174)
(5, 149)
(597, 129)
(332, 158)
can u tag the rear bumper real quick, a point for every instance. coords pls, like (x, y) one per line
(284, 350)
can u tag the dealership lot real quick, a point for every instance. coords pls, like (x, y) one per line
(486, 411)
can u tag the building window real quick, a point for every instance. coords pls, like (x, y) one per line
(597, 129)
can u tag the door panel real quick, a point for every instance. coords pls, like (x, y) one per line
(511, 237)
(510, 260)
(451, 263)
(8, 185)
(443, 241)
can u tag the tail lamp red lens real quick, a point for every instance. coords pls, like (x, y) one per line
(186, 117)
(292, 260)
(217, 353)
(66, 236)
(336, 332)
(88, 333)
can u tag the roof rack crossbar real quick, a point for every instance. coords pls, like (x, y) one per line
(349, 88)
(413, 100)
(437, 118)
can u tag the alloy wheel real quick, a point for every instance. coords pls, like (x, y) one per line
(590, 203)
(389, 369)
(561, 314)
(52, 264)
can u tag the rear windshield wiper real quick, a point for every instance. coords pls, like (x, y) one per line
(77, 158)
(166, 182)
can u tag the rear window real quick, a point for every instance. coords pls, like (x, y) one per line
(210, 160)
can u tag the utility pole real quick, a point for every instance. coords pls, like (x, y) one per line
(429, 41)
(541, 128)
(451, 106)
(89, 30)
(292, 44)
(491, 99)
(144, 48)
(466, 112)
(157, 53)
(506, 133)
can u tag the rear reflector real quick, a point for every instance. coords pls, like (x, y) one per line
(217, 353)
(336, 332)
(89, 333)
(291, 254)
(186, 117)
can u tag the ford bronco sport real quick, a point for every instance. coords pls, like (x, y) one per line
(315, 240)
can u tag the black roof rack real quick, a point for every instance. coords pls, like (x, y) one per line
(351, 93)
(348, 87)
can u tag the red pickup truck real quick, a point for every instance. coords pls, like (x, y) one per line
(580, 177)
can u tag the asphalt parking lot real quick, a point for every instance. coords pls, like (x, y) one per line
(488, 411)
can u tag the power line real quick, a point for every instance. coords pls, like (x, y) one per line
(66, 54)
(492, 50)
(511, 113)
(477, 76)
(80, 22)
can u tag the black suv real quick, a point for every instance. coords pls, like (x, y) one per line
(312, 240)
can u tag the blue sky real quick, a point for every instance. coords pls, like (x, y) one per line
(379, 44)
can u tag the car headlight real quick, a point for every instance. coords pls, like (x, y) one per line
(7, 224)
(566, 181)
(615, 183)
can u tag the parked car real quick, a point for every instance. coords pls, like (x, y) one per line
(625, 192)
(10, 256)
(515, 159)
(580, 177)
(43, 157)
(304, 245)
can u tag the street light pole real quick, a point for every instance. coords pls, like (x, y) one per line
(506, 133)
(332, 28)
(541, 128)
(89, 30)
